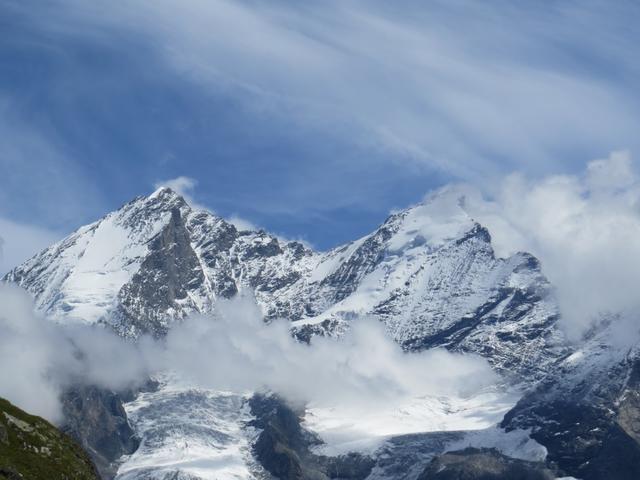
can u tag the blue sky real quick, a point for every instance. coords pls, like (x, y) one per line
(310, 119)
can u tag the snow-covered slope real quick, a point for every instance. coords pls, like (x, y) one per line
(345, 429)
(151, 262)
(79, 278)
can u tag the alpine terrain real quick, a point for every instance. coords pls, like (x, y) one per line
(429, 274)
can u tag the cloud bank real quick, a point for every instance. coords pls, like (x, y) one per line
(41, 358)
(236, 350)
(233, 350)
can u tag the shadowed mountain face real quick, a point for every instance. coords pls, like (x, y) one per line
(97, 420)
(429, 273)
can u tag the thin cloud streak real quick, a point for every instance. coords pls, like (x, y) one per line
(470, 96)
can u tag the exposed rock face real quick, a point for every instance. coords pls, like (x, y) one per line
(483, 464)
(283, 446)
(97, 420)
(587, 411)
(168, 273)
(33, 449)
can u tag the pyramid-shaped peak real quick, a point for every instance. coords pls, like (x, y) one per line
(439, 218)
(163, 198)
(165, 193)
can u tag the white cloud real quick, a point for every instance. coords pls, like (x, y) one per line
(183, 186)
(613, 173)
(364, 366)
(585, 230)
(46, 357)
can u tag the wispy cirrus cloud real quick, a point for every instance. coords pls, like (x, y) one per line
(470, 89)
(319, 117)
(40, 189)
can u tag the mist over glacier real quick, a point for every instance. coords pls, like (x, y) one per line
(232, 350)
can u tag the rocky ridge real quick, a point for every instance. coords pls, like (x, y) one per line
(429, 273)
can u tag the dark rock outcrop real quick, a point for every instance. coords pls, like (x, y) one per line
(283, 446)
(588, 419)
(170, 271)
(96, 419)
(483, 464)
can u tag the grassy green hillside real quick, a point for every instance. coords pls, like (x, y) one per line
(33, 449)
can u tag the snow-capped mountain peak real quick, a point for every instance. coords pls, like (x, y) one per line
(437, 220)
(428, 272)
(78, 278)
